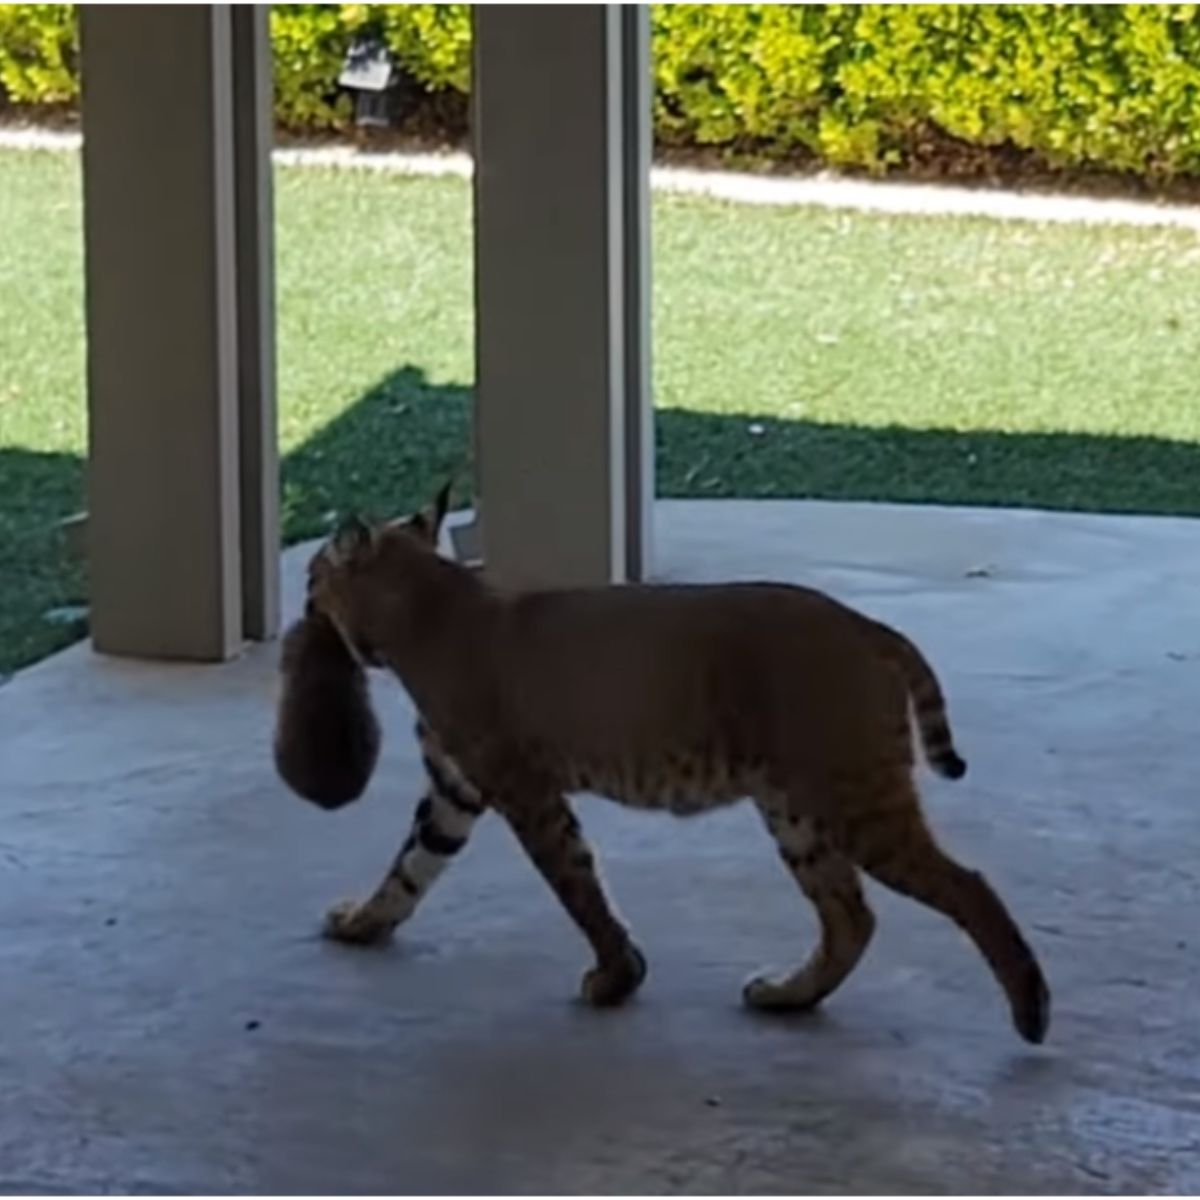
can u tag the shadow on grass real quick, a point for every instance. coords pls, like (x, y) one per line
(37, 574)
(702, 454)
(387, 453)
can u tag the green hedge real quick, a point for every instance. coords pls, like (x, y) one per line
(38, 53)
(1110, 86)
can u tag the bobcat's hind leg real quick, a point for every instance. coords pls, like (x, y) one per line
(882, 828)
(441, 826)
(548, 830)
(831, 882)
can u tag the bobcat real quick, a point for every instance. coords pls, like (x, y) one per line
(685, 698)
(327, 737)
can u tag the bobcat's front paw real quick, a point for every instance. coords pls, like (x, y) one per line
(358, 924)
(769, 995)
(609, 984)
(788, 994)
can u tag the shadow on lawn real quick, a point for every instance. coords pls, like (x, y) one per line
(385, 454)
(701, 454)
(388, 452)
(37, 574)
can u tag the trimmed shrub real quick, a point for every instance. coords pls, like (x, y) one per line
(1115, 86)
(432, 42)
(39, 53)
(872, 86)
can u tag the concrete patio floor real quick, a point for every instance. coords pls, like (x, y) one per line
(172, 1022)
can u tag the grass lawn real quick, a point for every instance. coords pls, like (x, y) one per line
(797, 353)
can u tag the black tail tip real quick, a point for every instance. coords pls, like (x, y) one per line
(1032, 1015)
(951, 766)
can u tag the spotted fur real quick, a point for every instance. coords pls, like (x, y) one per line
(684, 698)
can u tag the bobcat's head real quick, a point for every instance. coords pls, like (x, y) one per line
(348, 577)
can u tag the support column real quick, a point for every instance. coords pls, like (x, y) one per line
(637, 148)
(253, 130)
(163, 239)
(559, 236)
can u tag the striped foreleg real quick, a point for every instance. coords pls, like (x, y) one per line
(441, 826)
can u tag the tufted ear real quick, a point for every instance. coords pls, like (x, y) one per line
(428, 522)
(352, 538)
(441, 504)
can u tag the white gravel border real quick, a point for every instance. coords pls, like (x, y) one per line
(822, 191)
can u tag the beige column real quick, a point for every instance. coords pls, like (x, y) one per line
(258, 451)
(637, 146)
(171, 446)
(560, 276)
